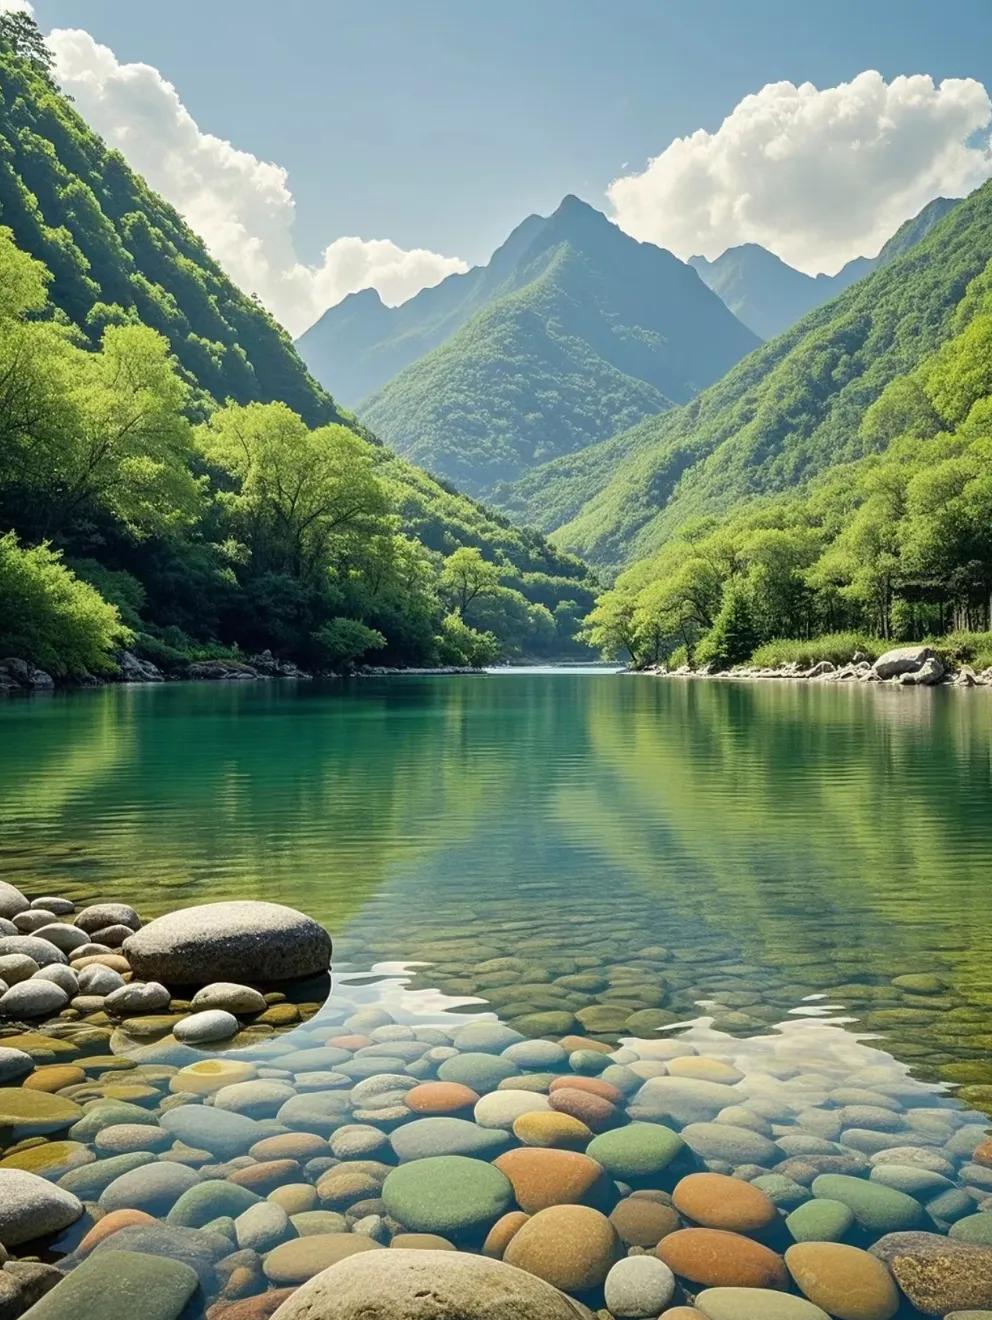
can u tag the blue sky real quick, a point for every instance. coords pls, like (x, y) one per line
(441, 123)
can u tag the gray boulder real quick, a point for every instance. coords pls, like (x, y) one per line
(135, 670)
(31, 1207)
(43, 953)
(230, 996)
(425, 1285)
(12, 901)
(32, 999)
(930, 672)
(215, 941)
(201, 1028)
(901, 660)
(100, 915)
(137, 998)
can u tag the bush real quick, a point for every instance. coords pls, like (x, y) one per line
(461, 645)
(963, 648)
(838, 648)
(52, 619)
(678, 658)
(340, 642)
(732, 638)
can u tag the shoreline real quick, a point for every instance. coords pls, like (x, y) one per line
(911, 666)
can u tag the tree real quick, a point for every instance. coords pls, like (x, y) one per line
(733, 636)
(50, 617)
(340, 642)
(22, 37)
(466, 576)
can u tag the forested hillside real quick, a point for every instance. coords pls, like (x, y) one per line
(592, 332)
(897, 544)
(793, 408)
(170, 476)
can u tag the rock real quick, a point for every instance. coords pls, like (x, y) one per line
(136, 998)
(749, 1304)
(540, 1054)
(50, 1159)
(207, 1076)
(502, 1232)
(17, 967)
(596, 1112)
(40, 951)
(119, 1285)
(275, 1176)
(211, 1199)
(543, 1178)
(637, 1151)
(100, 915)
(571, 1247)
(194, 1247)
(225, 941)
(440, 1098)
(106, 1113)
(221, 1133)
(846, 1282)
(938, 1274)
(639, 1286)
(447, 1194)
(12, 901)
(549, 1128)
(713, 1200)
(421, 1242)
(90, 1180)
(303, 1258)
(14, 1064)
(901, 660)
(641, 1222)
(32, 1207)
(681, 1099)
(356, 1141)
(221, 671)
(481, 1072)
(66, 938)
(125, 1138)
(110, 1224)
(154, 1187)
(500, 1109)
(485, 1038)
(256, 1099)
(262, 1227)
(34, 1113)
(427, 1285)
(31, 999)
(64, 977)
(445, 1136)
(230, 996)
(931, 671)
(976, 1228)
(733, 1145)
(717, 1259)
(22, 674)
(135, 670)
(877, 1209)
(820, 1220)
(202, 1028)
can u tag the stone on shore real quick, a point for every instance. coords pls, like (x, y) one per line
(750, 1304)
(229, 995)
(32, 1207)
(244, 940)
(209, 1025)
(43, 953)
(427, 1285)
(901, 660)
(843, 1280)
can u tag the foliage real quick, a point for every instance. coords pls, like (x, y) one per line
(343, 641)
(734, 634)
(51, 618)
(838, 648)
(460, 644)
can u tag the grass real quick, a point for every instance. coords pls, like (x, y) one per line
(838, 648)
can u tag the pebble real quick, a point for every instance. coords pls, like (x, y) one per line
(440, 1098)
(501, 1108)
(820, 1220)
(33, 1113)
(637, 1151)
(571, 1247)
(32, 999)
(640, 1222)
(31, 1207)
(734, 1145)
(447, 1194)
(14, 1064)
(748, 1304)
(550, 1128)
(938, 1274)
(478, 1071)
(445, 1136)
(717, 1259)
(713, 1200)
(154, 1187)
(639, 1286)
(201, 1028)
(221, 1133)
(843, 1280)
(107, 1283)
(301, 1259)
(502, 1232)
(543, 1178)
(876, 1208)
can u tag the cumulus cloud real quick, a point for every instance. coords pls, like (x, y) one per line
(818, 176)
(241, 206)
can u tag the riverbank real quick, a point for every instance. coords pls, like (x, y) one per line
(245, 1149)
(909, 666)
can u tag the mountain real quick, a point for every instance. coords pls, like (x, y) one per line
(585, 332)
(792, 408)
(115, 451)
(768, 295)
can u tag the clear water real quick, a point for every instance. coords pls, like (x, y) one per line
(756, 854)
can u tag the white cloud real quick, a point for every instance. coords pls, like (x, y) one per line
(241, 206)
(817, 176)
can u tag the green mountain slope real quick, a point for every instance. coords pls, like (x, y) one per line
(789, 410)
(108, 239)
(768, 295)
(595, 332)
(252, 528)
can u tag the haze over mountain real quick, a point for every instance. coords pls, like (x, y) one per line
(769, 295)
(573, 331)
(788, 411)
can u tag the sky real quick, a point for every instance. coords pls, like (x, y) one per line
(323, 145)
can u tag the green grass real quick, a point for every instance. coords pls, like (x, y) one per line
(838, 648)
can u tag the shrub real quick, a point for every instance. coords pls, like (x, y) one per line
(838, 648)
(732, 638)
(51, 618)
(340, 642)
(963, 648)
(461, 645)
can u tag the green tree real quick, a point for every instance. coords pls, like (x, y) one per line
(466, 577)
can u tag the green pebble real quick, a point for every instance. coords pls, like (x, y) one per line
(876, 1208)
(820, 1220)
(447, 1194)
(635, 1151)
(119, 1285)
(974, 1228)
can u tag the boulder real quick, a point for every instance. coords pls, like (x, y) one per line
(12, 901)
(938, 1274)
(118, 1285)
(43, 953)
(930, 672)
(31, 1207)
(221, 670)
(901, 660)
(16, 673)
(135, 670)
(426, 1285)
(215, 941)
